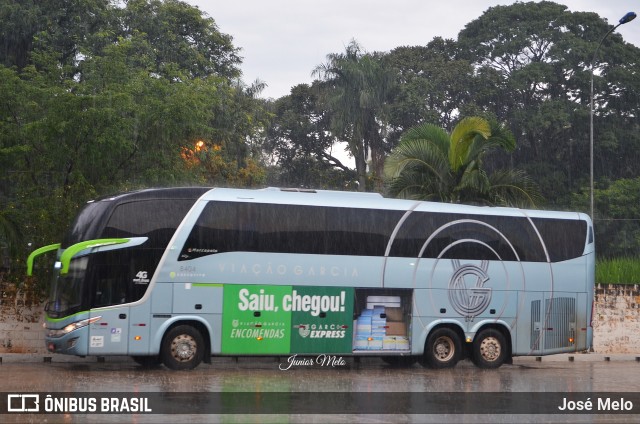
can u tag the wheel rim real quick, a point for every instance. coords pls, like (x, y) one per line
(183, 348)
(443, 349)
(490, 349)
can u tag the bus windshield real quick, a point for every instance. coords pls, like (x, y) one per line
(65, 297)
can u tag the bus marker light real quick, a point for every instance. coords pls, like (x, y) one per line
(571, 340)
(259, 338)
(137, 338)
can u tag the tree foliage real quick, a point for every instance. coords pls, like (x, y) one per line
(355, 87)
(300, 144)
(100, 98)
(540, 54)
(429, 164)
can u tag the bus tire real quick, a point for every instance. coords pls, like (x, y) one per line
(489, 349)
(443, 349)
(182, 348)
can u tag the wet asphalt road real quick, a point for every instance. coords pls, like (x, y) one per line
(591, 374)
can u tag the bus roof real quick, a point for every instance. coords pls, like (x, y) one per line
(371, 200)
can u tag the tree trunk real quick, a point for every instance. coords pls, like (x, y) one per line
(361, 172)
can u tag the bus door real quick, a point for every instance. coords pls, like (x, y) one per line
(110, 281)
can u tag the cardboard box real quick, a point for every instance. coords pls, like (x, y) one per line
(376, 343)
(393, 314)
(396, 329)
(389, 343)
(378, 332)
(364, 320)
(361, 343)
(380, 322)
(402, 343)
(363, 330)
(386, 301)
(378, 312)
(363, 325)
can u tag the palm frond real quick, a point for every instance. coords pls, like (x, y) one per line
(514, 188)
(430, 134)
(428, 164)
(462, 136)
(418, 157)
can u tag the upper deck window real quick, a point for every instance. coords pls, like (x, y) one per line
(255, 227)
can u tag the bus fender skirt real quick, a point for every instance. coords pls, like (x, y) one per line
(491, 322)
(433, 324)
(471, 334)
(154, 349)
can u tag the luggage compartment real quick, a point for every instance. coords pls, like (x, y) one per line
(382, 321)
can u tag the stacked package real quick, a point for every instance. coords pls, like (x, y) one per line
(381, 325)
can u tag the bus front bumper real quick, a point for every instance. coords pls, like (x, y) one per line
(71, 339)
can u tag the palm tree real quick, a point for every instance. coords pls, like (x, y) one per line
(355, 86)
(429, 164)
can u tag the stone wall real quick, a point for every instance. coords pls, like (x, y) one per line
(21, 317)
(616, 321)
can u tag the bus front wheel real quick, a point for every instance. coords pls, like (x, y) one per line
(489, 349)
(182, 348)
(443, 349)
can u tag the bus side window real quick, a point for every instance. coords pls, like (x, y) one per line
(113, 275)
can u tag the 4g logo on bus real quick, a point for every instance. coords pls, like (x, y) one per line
(142, 277)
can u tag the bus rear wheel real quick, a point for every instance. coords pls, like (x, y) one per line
(489, 349)
(443, 349)
(182, 348)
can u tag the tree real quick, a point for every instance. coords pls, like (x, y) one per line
(182, 38)
(533, 63)
(300, 141)
(102, 96)
(430, 164)
(355, 87)
(432, 85)
(57, 29)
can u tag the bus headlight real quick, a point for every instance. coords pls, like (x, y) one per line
(72, 327)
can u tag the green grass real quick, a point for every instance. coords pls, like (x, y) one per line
(618, 271)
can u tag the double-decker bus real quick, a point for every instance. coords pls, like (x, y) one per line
(178, 275)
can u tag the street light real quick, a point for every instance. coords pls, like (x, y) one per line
(630, 16)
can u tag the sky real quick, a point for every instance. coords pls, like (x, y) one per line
(282, 41)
